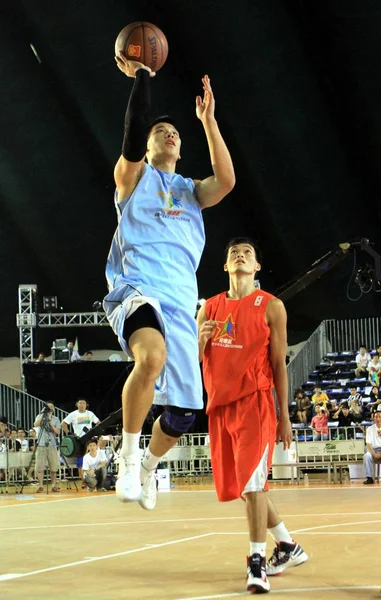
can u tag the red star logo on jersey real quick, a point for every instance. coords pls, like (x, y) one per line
(225, 329)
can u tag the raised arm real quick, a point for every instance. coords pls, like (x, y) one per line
(211, 190)
(129, 167)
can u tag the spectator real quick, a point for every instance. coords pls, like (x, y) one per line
(375, 398)
(73, 354)
(319, 423)
(373, 444)
(331, 408)
(355, 410)
(41, 358)
(89, 355)
(353, 395)
(94, 467)
(374, 370)
(24, 446)
(379, 351)
(13, 443)
(362, 359)
(344, 418)
(319, 397)
(47, 451)
(81, 421)
(303, 408)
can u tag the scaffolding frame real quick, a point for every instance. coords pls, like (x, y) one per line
(28, 320)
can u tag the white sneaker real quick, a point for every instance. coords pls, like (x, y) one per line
(128, 487)
(148, 497)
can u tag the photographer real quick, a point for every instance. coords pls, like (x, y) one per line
(94, 467)
(47, 447)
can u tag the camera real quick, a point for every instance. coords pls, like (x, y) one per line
(46, 409)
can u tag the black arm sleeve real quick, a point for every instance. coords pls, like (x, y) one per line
(137, 118)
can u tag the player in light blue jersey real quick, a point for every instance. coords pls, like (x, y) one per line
(151, 275)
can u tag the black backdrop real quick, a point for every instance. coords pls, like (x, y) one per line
(298, 94)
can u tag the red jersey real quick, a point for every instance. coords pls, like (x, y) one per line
(236, 360)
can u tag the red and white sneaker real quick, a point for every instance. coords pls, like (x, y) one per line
(256, 579)
(284, 556)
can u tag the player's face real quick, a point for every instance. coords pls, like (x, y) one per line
(164, 139)
(242, 259)
(82, 405)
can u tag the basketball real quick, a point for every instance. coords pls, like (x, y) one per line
(144, 43)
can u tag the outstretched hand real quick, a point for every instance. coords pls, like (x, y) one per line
(129, 67)
(205, 106)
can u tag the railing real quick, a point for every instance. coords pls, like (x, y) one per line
(21, 409)
(303, 363)
(350, 334)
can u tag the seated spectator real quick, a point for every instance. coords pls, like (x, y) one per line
(303, 408)
(319, 397)
(24, 446)
(353, 395)
(374, 370)
(319, 424)
(331, 407)
(344, 418)
(89, 355)
(362, 360)
(375, 398)
(373, 444)
(355, 410)
(13, 443)
(94, 467)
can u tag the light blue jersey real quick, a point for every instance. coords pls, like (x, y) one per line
(154, 255)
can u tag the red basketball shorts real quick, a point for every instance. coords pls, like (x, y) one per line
(242, 437)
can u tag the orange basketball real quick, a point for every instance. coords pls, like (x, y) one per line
(144, 43)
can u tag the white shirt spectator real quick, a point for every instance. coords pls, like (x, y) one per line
(90, 462)
(363, 359)
(24, 444)
(80, 420)
(374, 365)
(373, 436)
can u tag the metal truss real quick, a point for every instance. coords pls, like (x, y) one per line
(92, 319)
(26, 320)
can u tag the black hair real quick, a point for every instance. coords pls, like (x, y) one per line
(345, 405)
(244, 240)
(161, 119)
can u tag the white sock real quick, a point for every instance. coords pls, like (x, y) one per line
(280, 533)
(150, 461)
(130, 445)
(258, 548)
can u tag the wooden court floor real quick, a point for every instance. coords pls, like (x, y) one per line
(85, 546)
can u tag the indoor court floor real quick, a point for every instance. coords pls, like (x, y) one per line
(85, 546)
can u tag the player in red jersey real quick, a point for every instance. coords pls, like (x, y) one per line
(242, 343)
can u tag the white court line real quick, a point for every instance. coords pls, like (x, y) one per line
(287, 591)
(191, 520)
(90, 560)
(333, 525)
(293, 489)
